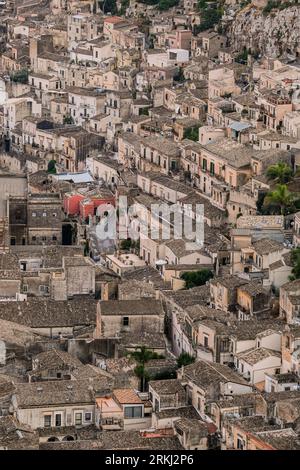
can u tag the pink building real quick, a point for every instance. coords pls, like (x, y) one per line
(83, 205)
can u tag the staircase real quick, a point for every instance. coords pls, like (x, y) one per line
(288, 236)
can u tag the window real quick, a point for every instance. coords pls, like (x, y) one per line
(43, 289)
(88, 417)
(47, 421)
(33, 239)
(12, 240)
(44, 214)
(78, 419)
(54, 238)
(18, 215)
(133, 412)
(205, 339)
(224, 345)
(58, 420)
(25, 288)
(33, 214)
(240, 443)
(125, 321)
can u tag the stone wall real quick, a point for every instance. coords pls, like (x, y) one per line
(273, 34)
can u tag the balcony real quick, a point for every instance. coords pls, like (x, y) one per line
(247, 261)
(111, 424)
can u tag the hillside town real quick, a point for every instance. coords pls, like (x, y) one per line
(118, 331)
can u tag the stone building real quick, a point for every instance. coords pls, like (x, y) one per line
(44, 218)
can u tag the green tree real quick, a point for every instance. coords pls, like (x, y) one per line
(150, 2)
(295, 257)
(20, 76)
(110, 6)
(124, 6)
(270, 6)
(166, 4)
(260, 201)
(242, 57)
(192, 133)
(202, 4)
(185, 359)
(126, 244)
(281, 200)
(86, 248)
(144, 111)
(52, 167)
(280, 172)
(165, 375)
(210, 16)
(68, 119)
(179, 77)
(143, 355)
(196, 278)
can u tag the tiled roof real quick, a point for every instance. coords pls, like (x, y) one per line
(127, 396)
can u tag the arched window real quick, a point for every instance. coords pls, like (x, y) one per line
(53, 439)
(68, 438)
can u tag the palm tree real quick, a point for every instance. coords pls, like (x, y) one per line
(143, 355)
(281, 198)
(280, 172)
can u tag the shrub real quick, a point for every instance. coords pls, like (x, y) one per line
(51, 167)
(196, 278)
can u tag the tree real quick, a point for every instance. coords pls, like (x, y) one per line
(166, 4)
(125, 244)
(52, 167)
(109, 6)
(150, 2)
(164, 375)
(242, 57)
(86, 248)
(142, 374)
(210, 16)
(68, 119)
(280, 172)
(196, 278)
(191, 133)
(143, 355)
(124, 6)
(185, 359)
(295, 257)
(20, 76)
(260, 201)
(179, 77)
(270, 6)
(144, 111)
(280, 200)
